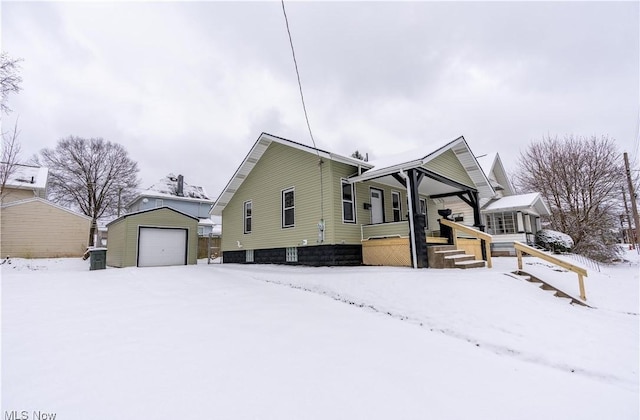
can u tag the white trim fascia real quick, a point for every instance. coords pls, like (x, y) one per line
(42, 200)
(254, 155)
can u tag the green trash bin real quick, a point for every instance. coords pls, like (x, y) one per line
(97, 258)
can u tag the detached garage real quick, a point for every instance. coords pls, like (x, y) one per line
(153, 238)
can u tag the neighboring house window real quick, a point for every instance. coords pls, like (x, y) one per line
(501, 223)
(395, 204)
(348, 203)
(288, 208)
(159, 202)
(248, 215)
(201, 230)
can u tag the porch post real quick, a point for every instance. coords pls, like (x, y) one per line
(477, 219)
(419, 222)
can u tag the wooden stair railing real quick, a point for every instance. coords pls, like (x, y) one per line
(485, 237)
(581, 272)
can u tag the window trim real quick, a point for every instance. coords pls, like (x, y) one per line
(353, 201)
(284, 209)
(500, 226)
(398, 209)
(245, 217)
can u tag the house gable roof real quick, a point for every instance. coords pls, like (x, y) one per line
(43, 201)
(150, 210)
(494, 169)
(254, 155)
(410, 160)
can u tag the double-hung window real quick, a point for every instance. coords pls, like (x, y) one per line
(288, 208)
(395, 204)
(248, 216)
(348, 203)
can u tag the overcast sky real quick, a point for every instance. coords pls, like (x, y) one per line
(188, 87)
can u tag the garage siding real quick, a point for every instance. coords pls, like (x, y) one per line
(124, 248)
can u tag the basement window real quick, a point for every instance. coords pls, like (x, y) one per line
(248, 255)
(292, 254)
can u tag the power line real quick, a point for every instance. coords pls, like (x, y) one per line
(295, 62)
(306, 117)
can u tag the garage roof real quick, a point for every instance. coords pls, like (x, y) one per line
(150, 210)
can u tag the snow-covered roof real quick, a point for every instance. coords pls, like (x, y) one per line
(167, 187)
(28, 177)
(206, 222)
(254, 155)
(519, 202)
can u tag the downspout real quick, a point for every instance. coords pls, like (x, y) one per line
(412, 235)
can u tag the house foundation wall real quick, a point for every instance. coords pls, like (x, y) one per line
(320, 255)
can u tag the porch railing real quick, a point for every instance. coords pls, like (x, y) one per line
(385, 230)
(475, 233)
(581, 272)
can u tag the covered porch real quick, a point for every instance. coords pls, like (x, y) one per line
(449, 171)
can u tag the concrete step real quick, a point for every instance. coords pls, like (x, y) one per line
(566, 297)
(470, 264)
(449, 252)
(450, 261)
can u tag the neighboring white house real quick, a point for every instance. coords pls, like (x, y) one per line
(507, 216)
(172, 191)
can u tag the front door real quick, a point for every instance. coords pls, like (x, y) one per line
(377, 206)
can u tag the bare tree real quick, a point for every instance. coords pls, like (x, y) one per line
(90, 175)
(9, 79)
(10, 157)
(580, 179)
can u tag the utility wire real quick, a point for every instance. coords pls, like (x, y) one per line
(306, 117)
(295, 62)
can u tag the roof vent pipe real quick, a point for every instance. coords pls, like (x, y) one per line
(180, 190)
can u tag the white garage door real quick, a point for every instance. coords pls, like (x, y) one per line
(160, 246)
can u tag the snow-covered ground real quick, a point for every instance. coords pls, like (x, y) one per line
(278, 342)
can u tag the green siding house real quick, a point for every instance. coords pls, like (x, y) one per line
(291, 203)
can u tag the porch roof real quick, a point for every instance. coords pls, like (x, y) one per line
(385, 170)
(519, 202)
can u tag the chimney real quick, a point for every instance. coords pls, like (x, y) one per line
(180, 190)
